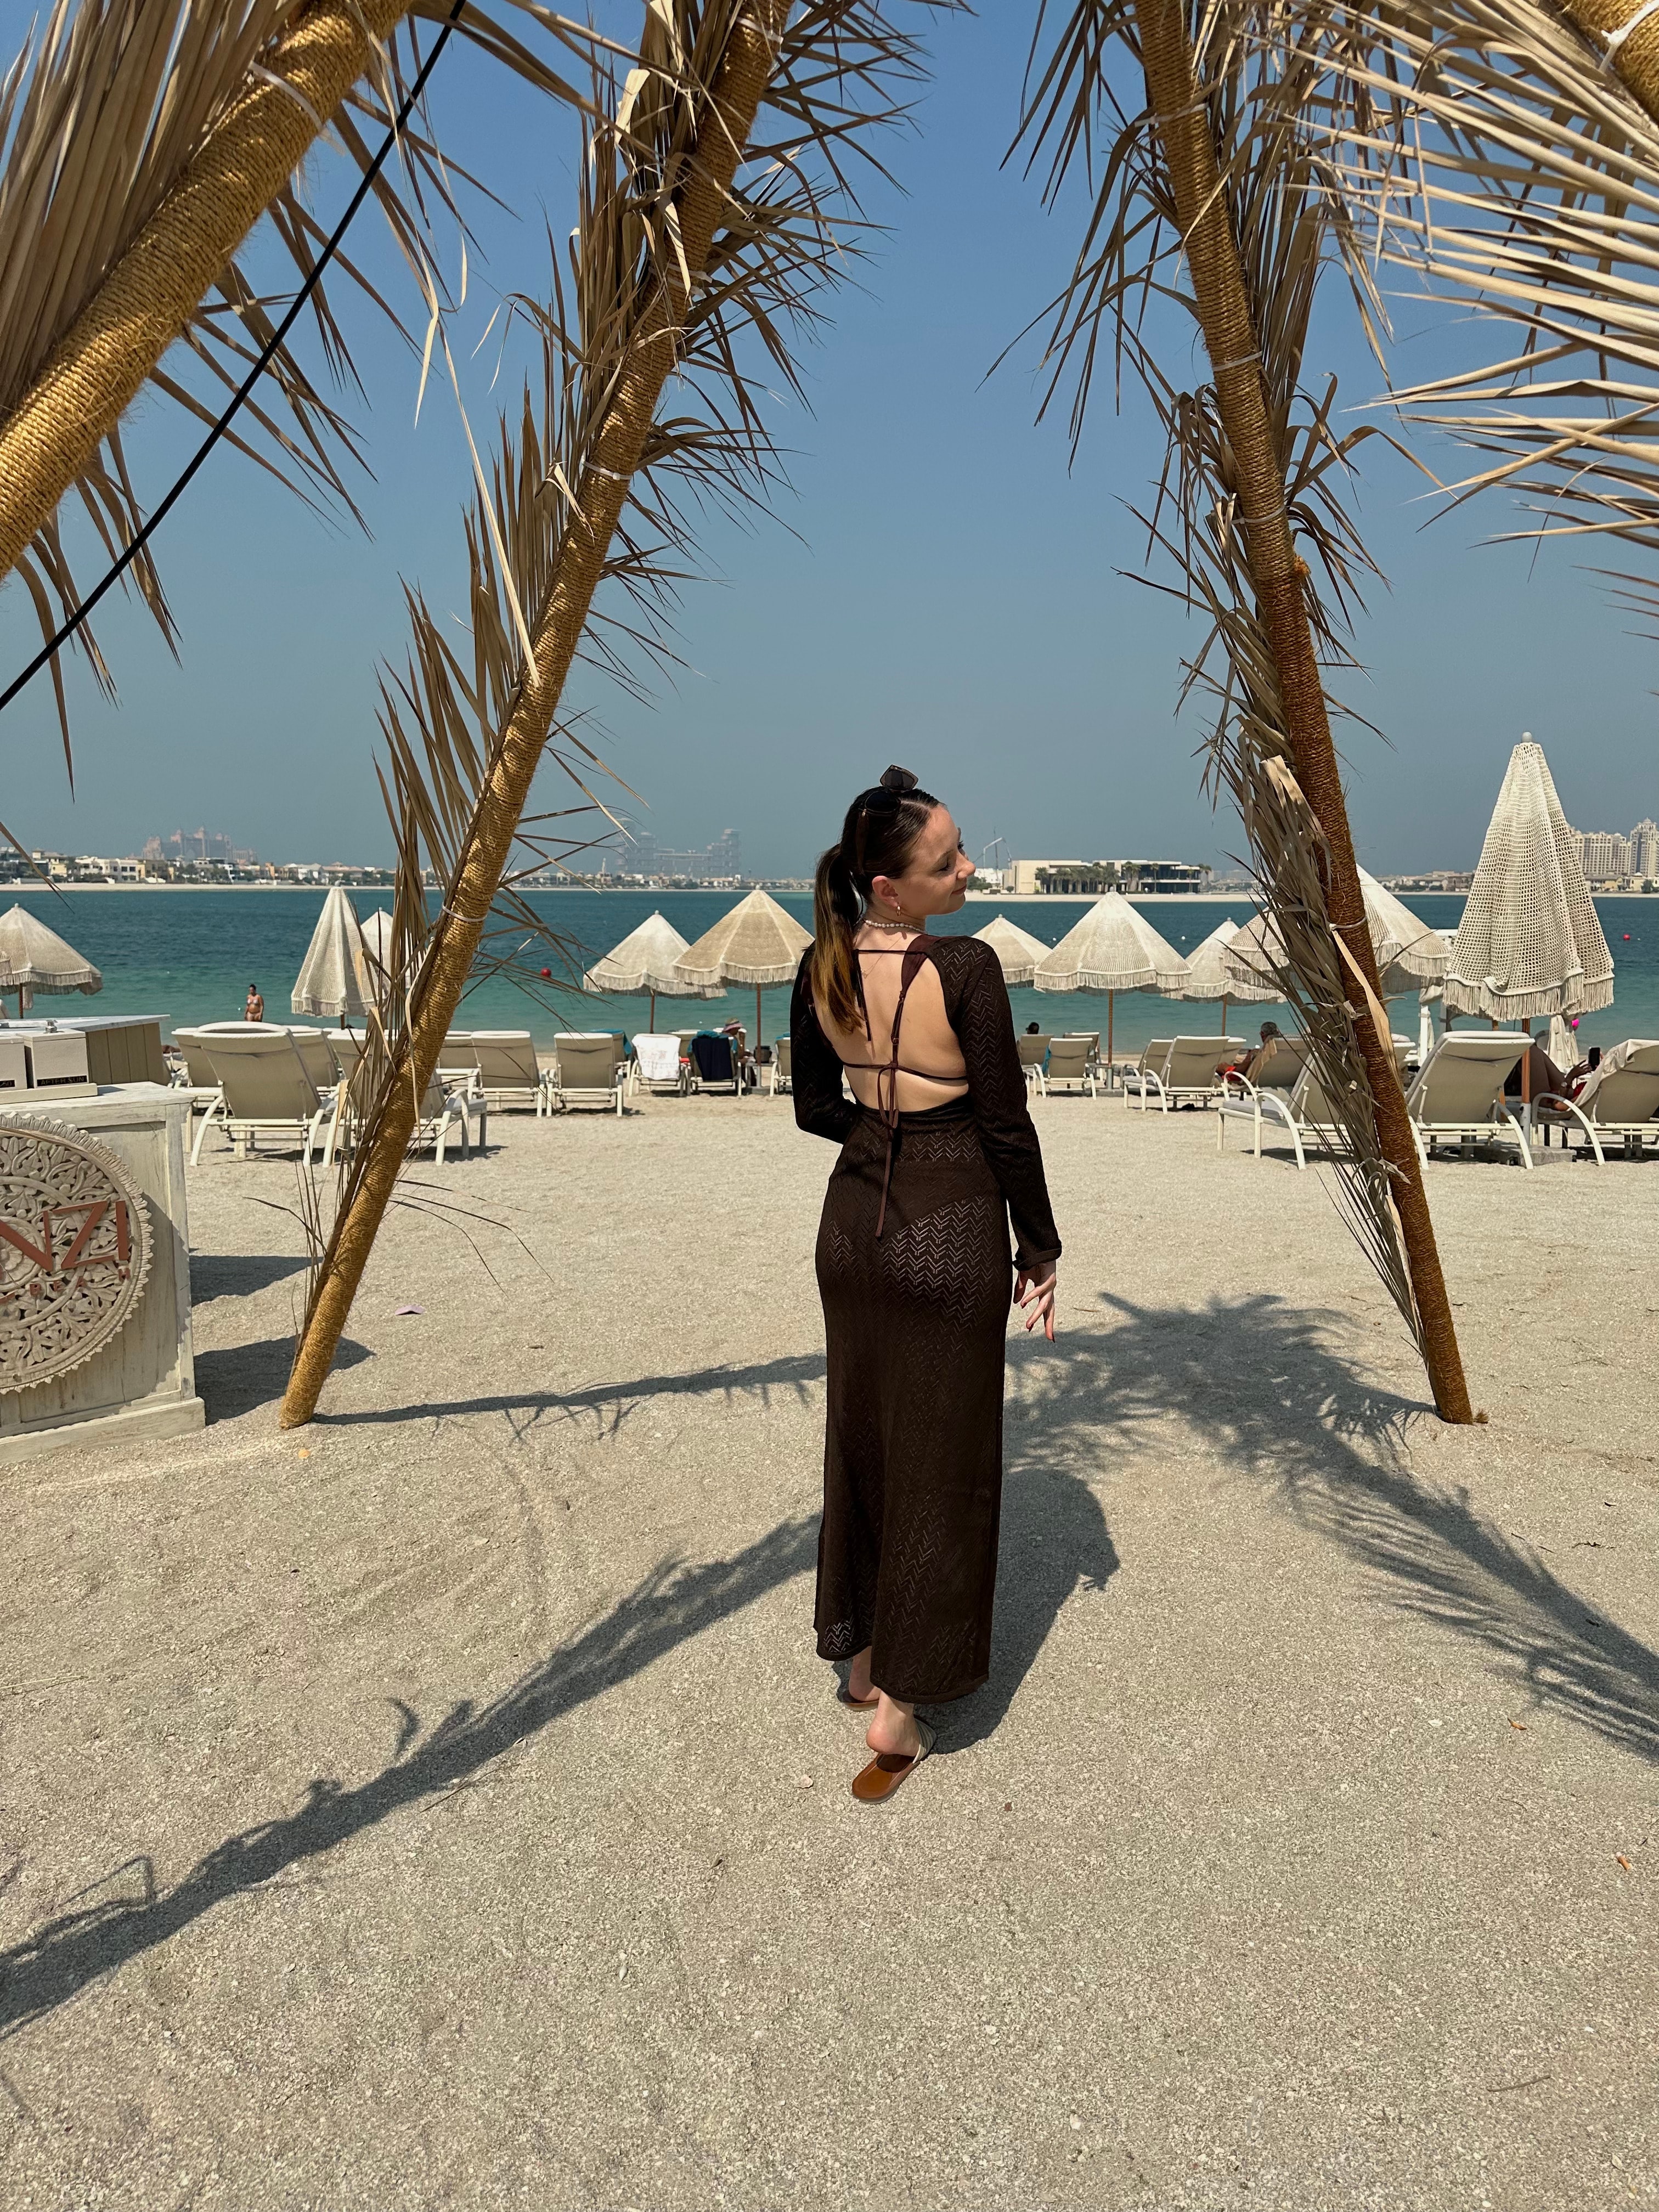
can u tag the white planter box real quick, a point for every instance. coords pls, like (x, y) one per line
(143, 1384)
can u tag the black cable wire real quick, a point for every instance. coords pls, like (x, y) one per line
(131, 552)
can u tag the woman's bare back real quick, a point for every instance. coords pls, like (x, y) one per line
(932, 1070)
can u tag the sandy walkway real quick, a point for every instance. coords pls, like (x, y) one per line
(445, 1806)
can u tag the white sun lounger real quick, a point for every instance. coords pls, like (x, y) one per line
(1073, 1059)
(507, 1071)
(658, 1064)
(1457, 1098)
(781, 1071)
(1033, 1051)
(445, 1113)
(1137, 1080)
(1187, 1075)
(589, 1071)
(1620, 1100)
(1301, 1110)
(1246, 1099)
(265, 1088)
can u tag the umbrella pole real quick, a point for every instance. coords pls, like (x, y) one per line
(653, 1012)
(1224, 1014)
(1111, 1001)
(758, 1018)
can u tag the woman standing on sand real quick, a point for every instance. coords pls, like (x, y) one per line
(913, 1262)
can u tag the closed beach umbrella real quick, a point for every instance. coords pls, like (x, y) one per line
(35, 958)
(1016, 948)
(756, 942)
(334, 977)
(1208, 976)
(1113, 948)
(644, 960)
(1529, 942)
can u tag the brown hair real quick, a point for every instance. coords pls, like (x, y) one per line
(876, 839)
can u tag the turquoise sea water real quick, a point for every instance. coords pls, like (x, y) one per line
(189, 957)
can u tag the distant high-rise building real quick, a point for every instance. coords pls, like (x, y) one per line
(646, 857)
(1645, 850)
(1605, 853)
(201, 845)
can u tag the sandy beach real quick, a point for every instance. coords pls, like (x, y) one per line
(444, 1806)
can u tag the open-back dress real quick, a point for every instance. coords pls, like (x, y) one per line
(915, 1275)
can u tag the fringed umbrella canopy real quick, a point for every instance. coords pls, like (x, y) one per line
(1016, 948)
(756, 942)
(1410, 953)
(1113, 948)
(35, 958)
(1209, 977)
(334, 977)
(1529, 942)
(644, 960)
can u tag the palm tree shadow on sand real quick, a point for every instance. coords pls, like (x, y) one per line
(1264, 1384)
(1269, 1389)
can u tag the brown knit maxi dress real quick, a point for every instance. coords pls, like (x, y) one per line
(916, 1279)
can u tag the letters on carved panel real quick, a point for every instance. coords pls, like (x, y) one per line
(74, 1249)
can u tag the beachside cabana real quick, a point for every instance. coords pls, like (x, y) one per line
(1113, 948)
(1529, 943)
(1016, 949)
(644, 960)
(756, 943)
(335, 977)
(35, 958)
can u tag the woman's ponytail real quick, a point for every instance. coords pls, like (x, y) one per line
(876, 839)
(836, 910)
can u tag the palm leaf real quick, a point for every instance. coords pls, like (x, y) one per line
(105, 119)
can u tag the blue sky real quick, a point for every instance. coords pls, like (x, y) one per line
(944, 587)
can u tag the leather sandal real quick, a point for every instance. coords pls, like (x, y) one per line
(856, 1704)
(875, 1784)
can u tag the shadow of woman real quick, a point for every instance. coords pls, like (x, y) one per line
(1054, 1542)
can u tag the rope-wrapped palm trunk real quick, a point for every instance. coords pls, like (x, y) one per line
(600, 495)
(1277, 575)
(104, 359)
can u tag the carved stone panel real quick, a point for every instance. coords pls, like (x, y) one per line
(74, 1249)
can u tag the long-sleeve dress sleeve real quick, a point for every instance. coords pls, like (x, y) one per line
(814, 1068)
(976, 1000)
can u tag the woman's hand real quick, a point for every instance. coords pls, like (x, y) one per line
(1039, 1296)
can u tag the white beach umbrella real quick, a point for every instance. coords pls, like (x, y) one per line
(35, 958)
(644, 960)
(1208, 976)
(756, 942)
(334, 977)
(1411, 954)
(1016, 948)
(1529, 942)
(1113, 948)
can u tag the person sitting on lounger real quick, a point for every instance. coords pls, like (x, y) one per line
(1271, 1037)
(1542, 1075)
(1580, 1074)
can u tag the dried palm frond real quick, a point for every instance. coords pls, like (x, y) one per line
(129, 130)
(1201, 126)
(1503, 161)
(718, 201)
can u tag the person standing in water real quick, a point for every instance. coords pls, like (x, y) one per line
(938, 1152)
(255, 1009)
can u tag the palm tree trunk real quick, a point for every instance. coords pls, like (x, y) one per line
(1276, 572)
(102, 362)
(734, 100)
(1635, 59)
